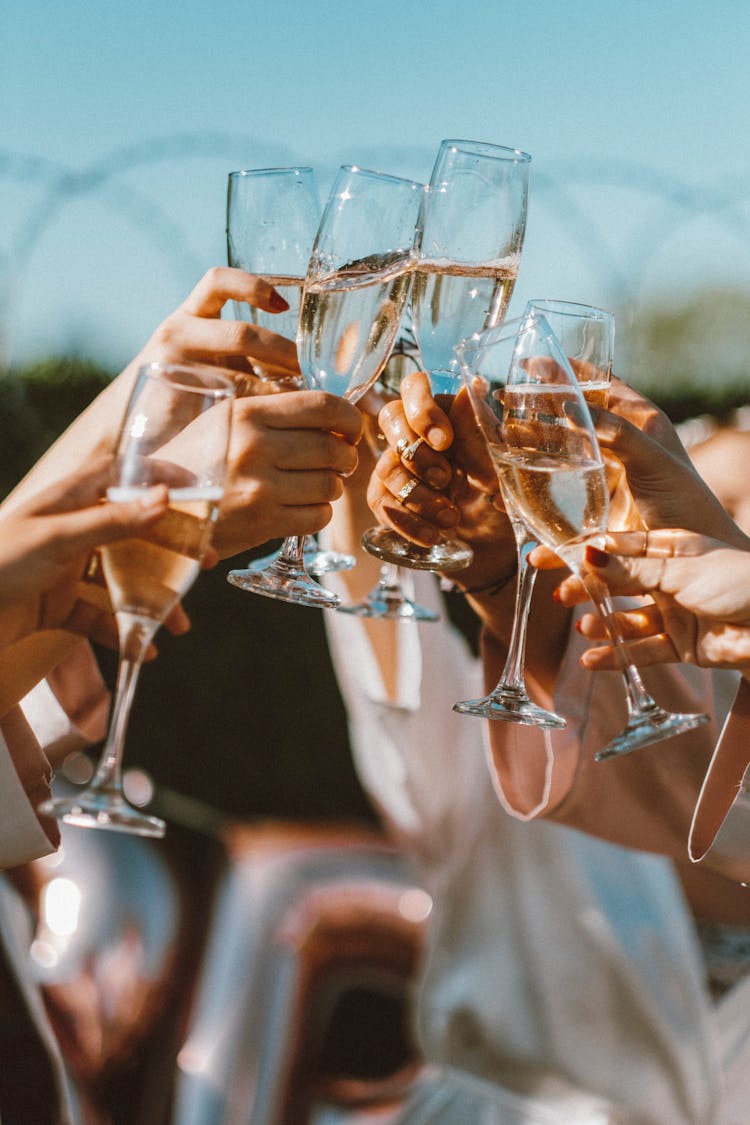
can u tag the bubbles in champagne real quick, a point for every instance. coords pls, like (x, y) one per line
(349, 321)
(450, 301)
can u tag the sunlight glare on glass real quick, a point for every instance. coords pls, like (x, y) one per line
(138, 425)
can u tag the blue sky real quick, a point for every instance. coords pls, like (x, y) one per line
(636, 116)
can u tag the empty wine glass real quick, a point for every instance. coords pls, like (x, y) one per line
(468, 247)
(355, 291)
(272, 218)
(542, 442)
(586, 335)
(176, 432)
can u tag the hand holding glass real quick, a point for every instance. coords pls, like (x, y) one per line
(272, 218)
(468, 245)
(539, 434)
(175, 432)
(586, 335)
(356, 288)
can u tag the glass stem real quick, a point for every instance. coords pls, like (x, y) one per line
(389, 581)
(292, 553)
(639, 701)
(513, 672)
(136, 634)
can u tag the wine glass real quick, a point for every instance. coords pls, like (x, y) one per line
(468, 246)
(586, 335)
(542, 441)
(175, 431)
(272, 218)
(388, 600)
(355, 291)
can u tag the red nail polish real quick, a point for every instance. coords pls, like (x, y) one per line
(596, 557)
(278, 302)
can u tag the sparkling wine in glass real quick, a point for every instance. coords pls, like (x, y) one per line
(586, 334)
(468, 247)
(541, 439)
(272, 218)
(356, 288)
(175, 432)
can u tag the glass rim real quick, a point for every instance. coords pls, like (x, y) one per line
(292, 169)
(487, 148)
(570, 308)
(480, 341)
(358, 170)
(222, 387)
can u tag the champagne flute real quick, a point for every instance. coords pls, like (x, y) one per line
(542, 441)
(357, 285)
(272, 217)
(468, 246)
(586, 335)
(175, 431)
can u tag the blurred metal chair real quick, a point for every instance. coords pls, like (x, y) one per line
(315, 930)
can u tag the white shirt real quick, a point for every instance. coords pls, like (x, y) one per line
(560, 968)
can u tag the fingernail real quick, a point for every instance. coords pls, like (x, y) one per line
(557, 596)
(596, 557)
(437, 478)
(277, 302)
(437, 437)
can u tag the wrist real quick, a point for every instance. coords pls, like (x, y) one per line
(491, 586)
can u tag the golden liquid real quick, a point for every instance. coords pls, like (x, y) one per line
(451, 301)
(561, 502)
(595, 393)
(148, 577)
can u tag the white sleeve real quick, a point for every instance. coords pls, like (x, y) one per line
(422, 764)
(21, 835)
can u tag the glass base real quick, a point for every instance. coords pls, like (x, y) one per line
(320, 561)
(386, 608)
(510, 705)
(654, 726)
(317, 561)
(90, 809)
(446, 556)
(285, 585)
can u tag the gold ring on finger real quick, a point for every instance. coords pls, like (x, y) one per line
(410, 452)
(406, 490)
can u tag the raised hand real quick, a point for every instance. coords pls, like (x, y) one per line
(194, 332)
(666, 488)
(46, 544)
(700, 588)
(288, 458)
(434, 440)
